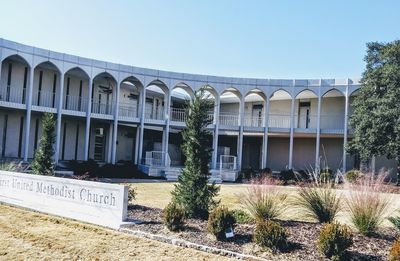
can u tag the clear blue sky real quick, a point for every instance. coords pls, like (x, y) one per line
(265, 39)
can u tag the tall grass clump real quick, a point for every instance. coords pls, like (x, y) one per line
(264, 200)
(368, 203)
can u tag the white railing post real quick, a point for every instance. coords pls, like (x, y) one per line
(88, 113)
(216, 133)
(115, 126)
(265, 138)
(59, 117)
(318, 137)
(346, 112)
(28, 114)
(290, 165)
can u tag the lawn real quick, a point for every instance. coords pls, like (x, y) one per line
(157, 194)
(27, 235)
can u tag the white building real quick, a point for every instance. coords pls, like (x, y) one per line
(112, 112)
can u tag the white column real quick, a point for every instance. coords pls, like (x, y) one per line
(136, 145)
(216, 133)
(346, 112)
(265, 138)
(59, 116)
(28, 114)
(166, 134)
(240, 138)
(290, 165)
(88, 112)
(141, 134)
(318, 137)
(115, 126)
(109, 136)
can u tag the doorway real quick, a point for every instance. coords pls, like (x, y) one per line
(304, 115)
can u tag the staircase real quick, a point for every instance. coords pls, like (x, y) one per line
(215, 177)
(172, 174)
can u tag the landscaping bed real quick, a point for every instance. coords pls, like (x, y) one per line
(302, 238)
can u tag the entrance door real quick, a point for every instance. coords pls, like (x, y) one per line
(99, 144)
(257, 115)
(304, 115)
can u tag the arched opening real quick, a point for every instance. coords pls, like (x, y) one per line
(254, 108)
(14, 79)
(229, 107)
(129, 97)
(180, 95)
(306, 107)
(155, 96)
(76, 90)
(332, 125)
(103, 93)
(278, 140)
(46, 85)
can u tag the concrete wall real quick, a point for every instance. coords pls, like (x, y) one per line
(12, 133)
(126, 139)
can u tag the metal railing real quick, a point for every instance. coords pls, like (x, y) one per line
(253, 121)
(228, 119)
(101, 108)
(227, 162)
(75, 103)
(178, 114)
(44, 99)
(157, 115)
(11, 94)
(127, 110)
(156, 159)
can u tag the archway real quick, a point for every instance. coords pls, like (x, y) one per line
(76, 90)
(46, 85)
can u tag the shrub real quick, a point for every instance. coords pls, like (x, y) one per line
(287, 175)
(83, 168)
(367, 204)
(242, 217)
(131, 194)
(318, 202)
(395, 221)
(394, 254)
(268, 233)
(219, 220)
(265, 172)
(173, 217)
(334, 239)
(353, 176)
(264, 200)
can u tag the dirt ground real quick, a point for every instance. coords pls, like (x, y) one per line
(28, 235)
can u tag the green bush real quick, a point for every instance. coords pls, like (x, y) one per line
(334, 239)
(394, 254)
(326, 176)
(353, 176)
(131, 194)
(395, 221)
(219, 220)
(268, 233)
(287, 175)
(242, 217)
(319, 203)
(174, 217)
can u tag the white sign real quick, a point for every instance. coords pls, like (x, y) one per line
(94, 202)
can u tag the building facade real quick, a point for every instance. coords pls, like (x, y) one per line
(111, 112)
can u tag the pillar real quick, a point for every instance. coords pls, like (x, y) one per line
(59, 116)
(136, 145)
(167, 109)
(141, 134)
(88, 112)
(240, 138)
(115, 126)
(216, 133)
(290, 165)
(318, 137)
(265, 138)
(346, 112)
(109, 141)
(28, 114)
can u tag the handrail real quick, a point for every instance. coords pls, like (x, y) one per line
(12, 94)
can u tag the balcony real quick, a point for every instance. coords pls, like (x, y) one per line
(154, 115)
(13, 95)
(228, 119)
(44, 99)
(75, 103)
(102, 108)
(126, 110)
(178, 115)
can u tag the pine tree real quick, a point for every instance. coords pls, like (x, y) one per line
(42, 163)
(193, 192)
(376, 116)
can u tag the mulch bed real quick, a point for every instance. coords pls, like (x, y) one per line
(302, 238)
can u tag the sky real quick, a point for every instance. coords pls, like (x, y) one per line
(256, 39)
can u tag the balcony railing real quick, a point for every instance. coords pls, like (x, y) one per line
(279, 121)
(228, 119)
(154, 115)
(44, 99)
(178, 114)
(11, 94)
(101, 108)
(75, 103)
(127, 110)
(253, 121)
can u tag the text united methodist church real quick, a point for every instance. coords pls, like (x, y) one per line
(112, 112)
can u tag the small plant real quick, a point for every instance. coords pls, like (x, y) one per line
(326, 176)
(264, 200)
(395, 221)
(394, 254)
(131, 194)
(174, 217)
(287, 175)
(242, 217)
(318, 202)
(353, 176)
(219, 221)
(334, 239)
(367, 204)
(268, 233)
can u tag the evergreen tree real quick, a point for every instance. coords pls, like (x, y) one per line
(376, 117)
(193, 192)
(42, 163)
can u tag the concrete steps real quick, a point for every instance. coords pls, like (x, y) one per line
(172, 174)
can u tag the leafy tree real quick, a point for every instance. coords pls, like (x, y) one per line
(42, 163)
(193, 192)
(376, 117)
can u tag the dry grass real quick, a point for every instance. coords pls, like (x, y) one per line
(27, 235)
